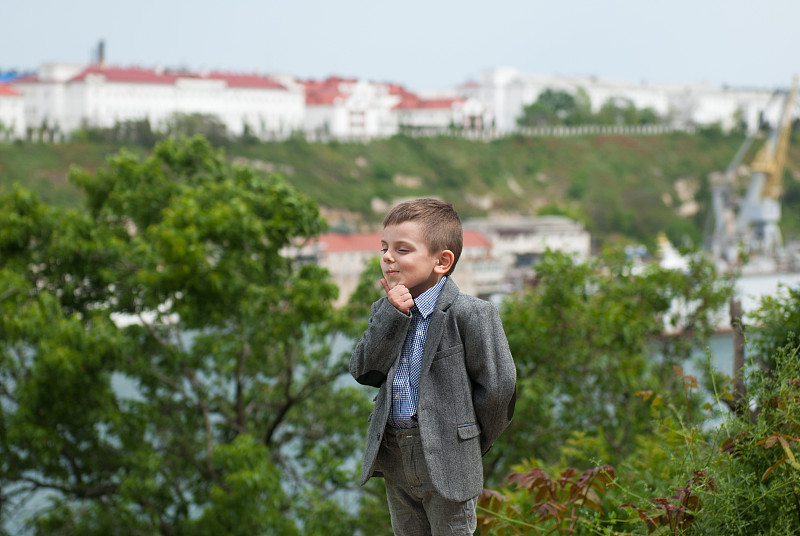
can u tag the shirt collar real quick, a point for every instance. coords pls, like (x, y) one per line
(426, 301)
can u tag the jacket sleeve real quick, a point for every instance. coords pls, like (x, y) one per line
(492, 371)
(380, 345)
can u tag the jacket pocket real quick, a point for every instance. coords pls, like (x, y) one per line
(447, 352)
(468, 431)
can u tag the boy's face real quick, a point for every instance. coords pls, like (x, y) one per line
(406, 259)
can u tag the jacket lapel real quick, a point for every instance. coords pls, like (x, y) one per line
(436, 327)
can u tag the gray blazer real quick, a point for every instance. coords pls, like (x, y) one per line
(467, 386)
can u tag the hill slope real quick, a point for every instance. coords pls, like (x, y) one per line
(633, 187)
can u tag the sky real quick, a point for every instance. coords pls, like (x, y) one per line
(421, 44)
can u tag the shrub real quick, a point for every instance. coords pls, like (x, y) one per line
(699, 470)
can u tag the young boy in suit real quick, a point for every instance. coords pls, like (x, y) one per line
(446, 376)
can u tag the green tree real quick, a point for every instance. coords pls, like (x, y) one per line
(622, 111)
(589, 337)
(559, 107)
(776, 323)
(164, 368)
(195, 124)
(582, 112)
(737, 472)
(711, 471)
(137, 131)
(131, 131)
(614, 111)
(552, 107)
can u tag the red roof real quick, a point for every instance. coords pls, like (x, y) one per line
(325, 92)
(336, 80)
(475, 239)
(129, 74)
(338, 242)
(397, 89)
(246, 80)
(407, 102)
(6, 91)
(322, 97)
(137, 75)
(330, 83)
(351, 242)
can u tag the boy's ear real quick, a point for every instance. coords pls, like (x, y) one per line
(444, 262)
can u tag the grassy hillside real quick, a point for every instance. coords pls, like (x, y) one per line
(633, 187)
(45, 168)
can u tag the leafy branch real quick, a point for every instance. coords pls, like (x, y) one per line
(558, 504)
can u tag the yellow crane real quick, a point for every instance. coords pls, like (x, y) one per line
(771, 159)
(756, 224)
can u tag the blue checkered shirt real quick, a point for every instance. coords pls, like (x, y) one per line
(405, 385)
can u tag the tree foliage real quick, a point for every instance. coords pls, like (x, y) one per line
(623, 111)
(559, 107)
(164, 369)
(741, 475)
(776, 323)
(587, 341)
(695, 468)
(196, 124)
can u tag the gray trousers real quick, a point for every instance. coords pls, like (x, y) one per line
(415, 507)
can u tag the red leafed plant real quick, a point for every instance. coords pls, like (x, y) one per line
(557, 503)
(678, 512)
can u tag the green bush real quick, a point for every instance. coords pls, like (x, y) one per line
(700, 468)
(757, 476)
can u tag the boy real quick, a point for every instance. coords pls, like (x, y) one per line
(446, 377)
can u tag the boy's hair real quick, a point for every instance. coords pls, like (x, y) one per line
(438, 221)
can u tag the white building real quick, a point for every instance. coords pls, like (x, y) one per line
(359, 109)
(506, 92)
(12, 113)
(442, 113)
(62, 98)
(350, 108)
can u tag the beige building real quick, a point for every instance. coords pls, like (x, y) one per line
(519, 241)
(497, 257)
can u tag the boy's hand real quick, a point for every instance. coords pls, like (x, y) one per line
(399, 296)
